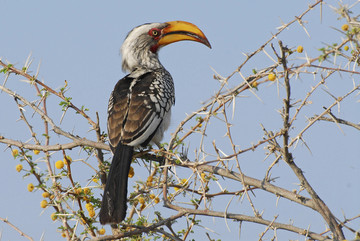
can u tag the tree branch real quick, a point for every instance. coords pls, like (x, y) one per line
(240, 217)
(16, 228)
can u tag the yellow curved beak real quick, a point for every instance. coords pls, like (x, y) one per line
(181, 30)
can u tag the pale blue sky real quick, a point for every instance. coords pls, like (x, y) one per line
(79, 41)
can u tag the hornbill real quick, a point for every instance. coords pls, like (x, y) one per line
(140, 105)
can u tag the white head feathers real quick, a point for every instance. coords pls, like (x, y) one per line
(136, 48)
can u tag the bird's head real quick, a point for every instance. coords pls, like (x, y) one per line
(142, 44)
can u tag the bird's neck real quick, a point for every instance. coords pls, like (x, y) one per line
(140, 59)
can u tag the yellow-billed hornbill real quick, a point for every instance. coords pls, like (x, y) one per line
(140, 105)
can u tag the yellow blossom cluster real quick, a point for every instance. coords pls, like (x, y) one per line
(59, 164)
(19, 167)
(131, 172)
(90, 208)
(15, 152)
(30, 187)
(183, 182)
(272, 77)
(101, 231)
(43, 204)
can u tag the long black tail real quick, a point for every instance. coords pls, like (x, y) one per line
(113, 207)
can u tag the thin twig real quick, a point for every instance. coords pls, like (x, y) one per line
(5, 220)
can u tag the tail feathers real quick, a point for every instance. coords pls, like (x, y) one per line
(113, 207)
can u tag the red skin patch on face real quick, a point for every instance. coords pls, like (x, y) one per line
(155, 33)
(154, 48)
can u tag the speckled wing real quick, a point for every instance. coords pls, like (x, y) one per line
(137, 107)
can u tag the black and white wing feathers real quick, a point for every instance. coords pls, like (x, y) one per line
(138, 107)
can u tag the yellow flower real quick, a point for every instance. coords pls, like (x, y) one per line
(91, 213)
(152, 196)
(149, 184)
(184, 181)
(63, 235)
(59, 164)
(272, 77)
(53, 216)
(142, 206)
(254, 84)
(300, 49)
(156, 200)
(95, 180)
(78, 190)
(141, 200)
(345, 27)
(68, 158)
(150, 179)
(131, 172)
(19, 167)
(203, 176)
(15, 152)
(43, 204)
(89, 207)
(52, 196)
(46, 194)
(101, 231)
(36, 152)
(86, 190)
(30, 187)
(346, 48)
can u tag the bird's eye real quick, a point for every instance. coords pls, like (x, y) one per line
(154, 32)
